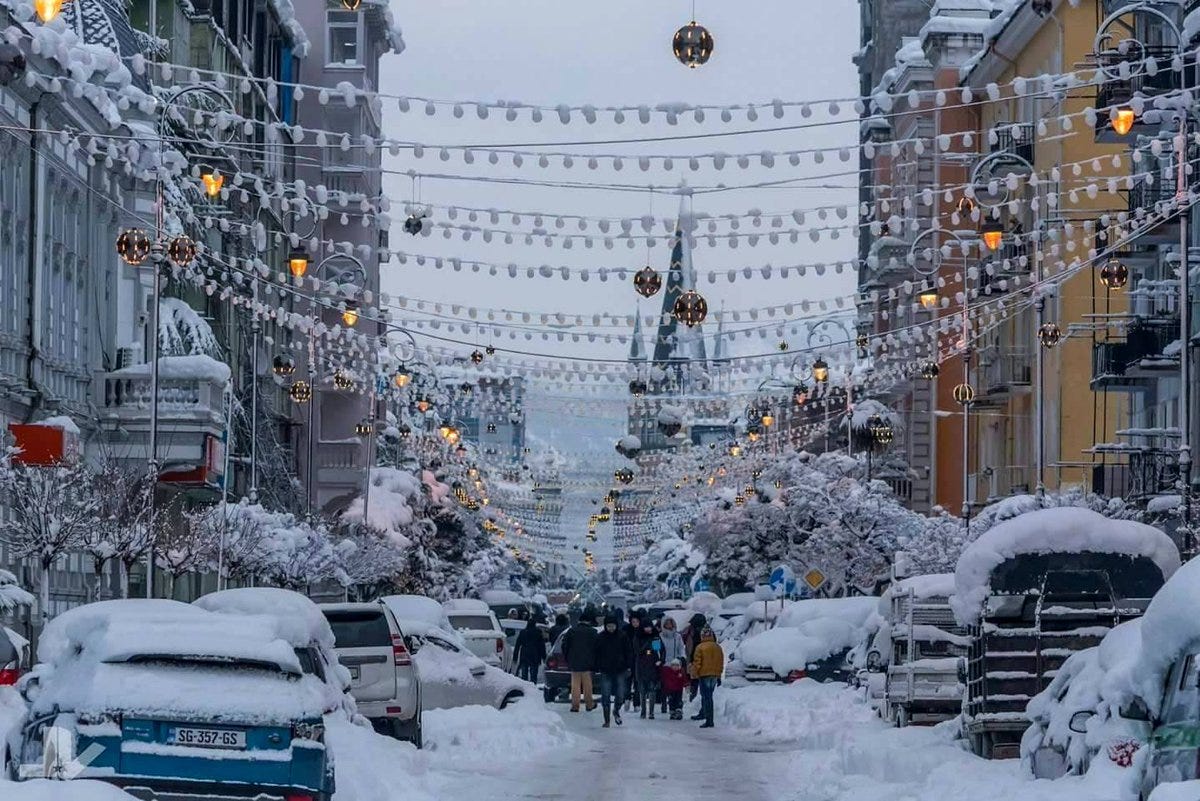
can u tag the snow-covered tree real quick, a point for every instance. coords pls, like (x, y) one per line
(12, 595)
(50, 510)
(121, 531)
(296, 555)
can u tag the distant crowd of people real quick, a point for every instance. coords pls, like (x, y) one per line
(639, 664)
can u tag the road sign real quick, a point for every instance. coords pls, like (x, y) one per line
(783, 580)
(701, 585)
(814, 579)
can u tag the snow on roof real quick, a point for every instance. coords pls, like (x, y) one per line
(417, 608)
(501, 597)
(930, 586)
(108, 656)
(466, 606)
(1059, 530)
(854, 610)
(707, 602)
(296, 617)
(62, 422)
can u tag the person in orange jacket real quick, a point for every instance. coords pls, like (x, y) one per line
(708, 663)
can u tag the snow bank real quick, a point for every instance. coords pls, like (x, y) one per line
(1176, 791)
(802, 713)
(475, 734)
(371, 766)
(48, 790)
(1063, 529)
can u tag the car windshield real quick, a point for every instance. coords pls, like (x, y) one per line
(367, 628)
(206, 660)
(309, 663)
(471, 623)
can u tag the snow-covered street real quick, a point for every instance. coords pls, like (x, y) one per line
(804, 742)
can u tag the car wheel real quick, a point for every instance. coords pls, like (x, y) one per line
(511, 698)
(410, 731)
(901, 717)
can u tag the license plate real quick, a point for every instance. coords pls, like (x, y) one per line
(208, 738)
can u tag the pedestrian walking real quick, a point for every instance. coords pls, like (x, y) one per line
(529, 652)
(674, 680)
(647, 662)
(691, 639)
(613, 657)
(673, 648)
(633, 631)
(579, 650)
(561, 624)
(708, 663)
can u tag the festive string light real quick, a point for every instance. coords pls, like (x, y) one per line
(691, 308)
(133, 246)
(1114, 274)
(213, 181)
(1049, 335)
(283, 365)
(300, 392)
(647, 281)
(181, 251)
(992, 234)
(693, 45)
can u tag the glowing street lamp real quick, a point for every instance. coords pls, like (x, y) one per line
(47, 10)
(298, 262)
(213, 181)
(992, 234)
(1122, 120)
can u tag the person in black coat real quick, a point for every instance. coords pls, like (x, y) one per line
(633, 630)
(529, 652)
(579, 651)
(647, 660)
(561, 624)
(613, 658)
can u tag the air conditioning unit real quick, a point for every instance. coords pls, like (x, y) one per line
(126, 357)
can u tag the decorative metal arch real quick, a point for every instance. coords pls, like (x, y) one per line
(1113, 23)
(935, 254)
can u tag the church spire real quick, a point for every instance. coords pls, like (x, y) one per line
(675, 343)
(637, 344)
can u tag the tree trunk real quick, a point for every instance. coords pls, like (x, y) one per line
(45, 593)
(124, 579)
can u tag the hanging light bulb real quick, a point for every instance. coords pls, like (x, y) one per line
(300, 392)
(693, 45)
(966, 206)
(47, 10)
(928, 296)
(350, 315)
(767, 419)
(423, 405)
(964, 394)
(342, 381)
(476, 356)
(992, 234)
(401, 378)
(298, 262)
(930, 370)
(691, 308)
(800, 394)
(213, 181)
(1122, 120)
(647, 281)
(820, 371)
(351, 5)
(283, 365)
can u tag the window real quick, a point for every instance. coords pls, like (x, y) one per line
(355, 629)
(344, 43)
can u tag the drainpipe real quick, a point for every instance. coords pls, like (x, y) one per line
(36, 228)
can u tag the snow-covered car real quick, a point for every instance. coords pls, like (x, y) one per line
(452, 676)
(480, 630)
(1035, 589)
(170, 700)
(419, 608)
(299, 621)
(813, 639)
(1071, 721)
(922, 657)
(504, 602)
(383, 678)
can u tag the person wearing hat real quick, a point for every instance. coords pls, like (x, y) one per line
(613, 658)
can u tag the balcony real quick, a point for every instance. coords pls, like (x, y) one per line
(191, 418)
(1003, 371)
(339, 469)
(1137, 362)
(1147, 473)
(1015, 140)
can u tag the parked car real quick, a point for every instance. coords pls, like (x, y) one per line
(480, 630)
(419, 608)
(452, 676)
(812, 639)
(298, 621)
(383, 679)
(923, 656)
(557, 677)
(503, 602)
(1035, 589)
(169, 700)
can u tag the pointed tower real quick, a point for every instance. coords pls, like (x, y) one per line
(637, 342)
(676, 345)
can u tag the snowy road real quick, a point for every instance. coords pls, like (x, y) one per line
(806, 742)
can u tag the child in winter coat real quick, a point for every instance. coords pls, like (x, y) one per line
(674, 682)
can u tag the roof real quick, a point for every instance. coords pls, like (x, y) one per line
(105, 23)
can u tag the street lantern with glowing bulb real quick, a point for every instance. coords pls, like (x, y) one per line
(298, 262)
(213, 181)
(820, 370)
(992, 234)
(402, 377)
(928, 296)
(47, 10)
(350, 315)
(1123, 119)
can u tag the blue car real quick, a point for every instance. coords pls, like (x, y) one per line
(171, 701)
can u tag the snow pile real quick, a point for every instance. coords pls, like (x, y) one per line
(706, 603)
(470, 734)
(197, 368)
(49, 790)
(371, 766)
(801, 713)
(810, 631)
(62, 422)
(1061, 530)
(1169, 629)
(934, 585)
(295, 617)
(1176, 791)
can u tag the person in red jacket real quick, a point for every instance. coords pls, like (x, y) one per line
(674, 682)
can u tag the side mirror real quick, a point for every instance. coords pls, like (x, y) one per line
(874, 660)
(1136, 710)
(478, 670)
(1079, 721)
(29, 688)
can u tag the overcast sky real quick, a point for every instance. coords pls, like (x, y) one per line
(615, 53)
